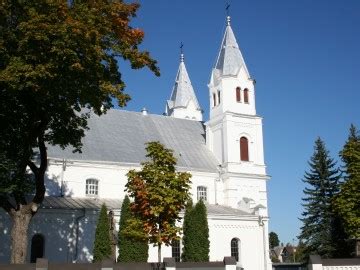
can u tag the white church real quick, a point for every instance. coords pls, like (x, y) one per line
(224, 155)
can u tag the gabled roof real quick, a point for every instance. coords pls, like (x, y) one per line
(120, 136)
(182, 91)
(230, 59)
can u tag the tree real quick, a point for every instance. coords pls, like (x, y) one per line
(58, 64)
(130, 249)
(196, 234)
(347, 202)
(102, 244)
(160, 193)
(273, 240)
(318, 233)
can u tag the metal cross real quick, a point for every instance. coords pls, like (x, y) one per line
(181, 47)
(227, 9)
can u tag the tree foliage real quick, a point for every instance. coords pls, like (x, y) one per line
(130, 249)
(273, 240)
(347, 202)
(196, 234)
(321, 231)
(58, 62)
(102, 243)
(160, 193)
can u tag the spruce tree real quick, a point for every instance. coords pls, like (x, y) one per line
(196, 234)
(102, 244)
(130, 249)
(318, 231)
(347, 203)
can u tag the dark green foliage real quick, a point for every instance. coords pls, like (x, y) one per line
(273, 240)
(347, 203)
(321, 231)
(102, 244)
(196, 234)
(130, 249)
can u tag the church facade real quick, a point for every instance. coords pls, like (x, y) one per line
(224, 155)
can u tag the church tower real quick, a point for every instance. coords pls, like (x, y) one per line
(183, 102)
(234, 130)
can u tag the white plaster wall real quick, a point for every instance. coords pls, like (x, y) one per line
(112, 179)
(190, 112)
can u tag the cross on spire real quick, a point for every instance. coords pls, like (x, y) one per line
(227, 9)
(181, 52)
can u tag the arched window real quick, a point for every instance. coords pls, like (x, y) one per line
(214, 99)
(92, 187)
(238, 94)
(246, 95)
(175, 250)
(244, 149)
(219, 97)
(37, 247)
(202, 193)
(235, 248)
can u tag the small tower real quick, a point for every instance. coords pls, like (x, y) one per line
(183, 102)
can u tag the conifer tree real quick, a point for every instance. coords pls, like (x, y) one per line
(318, 232)
(102, 244)
(347, 203)
(196, 234)
(130, 249)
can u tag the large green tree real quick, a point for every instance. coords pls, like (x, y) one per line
(160, 193)
(273, 240)
(131, 249)
(102, 243)
(196, 244)
(321, 229)
(347, 202)
(58, 63)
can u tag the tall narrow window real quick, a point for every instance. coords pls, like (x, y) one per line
(244, 149)
(246, 95)
(92, 187)
(37, 247)
(219, 97)
(175, 250)
(238, 94)
(235, 248)
(214, 99)
(202, 193)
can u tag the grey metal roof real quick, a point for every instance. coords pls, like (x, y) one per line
(230, 59)
(120, 136)
(183, 90)
(79, 203)
(96, 203)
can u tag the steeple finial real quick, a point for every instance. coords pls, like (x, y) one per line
(181, 52)
(227, 13)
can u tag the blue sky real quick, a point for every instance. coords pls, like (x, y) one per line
(305, 57)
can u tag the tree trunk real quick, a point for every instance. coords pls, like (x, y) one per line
(159, 252)
(19, 232)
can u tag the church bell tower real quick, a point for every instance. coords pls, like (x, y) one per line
(234, 130)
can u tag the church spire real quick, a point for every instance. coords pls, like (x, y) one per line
(183, 102)
(230, 60)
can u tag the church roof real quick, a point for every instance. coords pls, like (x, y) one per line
(120, 136)
(51, 202)
(230, 59)
(183, 91)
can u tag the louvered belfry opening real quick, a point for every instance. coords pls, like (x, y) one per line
(238, 95)
(246, 95)
(244, 149)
